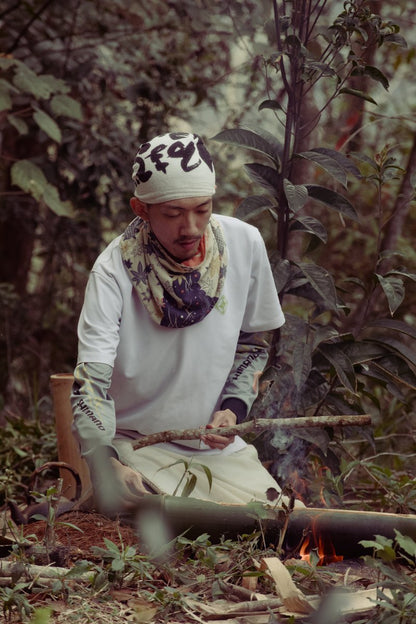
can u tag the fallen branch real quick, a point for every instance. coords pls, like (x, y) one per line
(257, 426)
(31, 571)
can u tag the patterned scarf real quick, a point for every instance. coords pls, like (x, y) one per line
(175, 295)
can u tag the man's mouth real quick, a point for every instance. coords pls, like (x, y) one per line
(188, 243)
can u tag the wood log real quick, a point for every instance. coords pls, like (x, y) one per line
(257, 426)
(342, 528)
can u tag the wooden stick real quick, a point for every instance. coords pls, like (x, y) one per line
(257, 426)
(30, 570)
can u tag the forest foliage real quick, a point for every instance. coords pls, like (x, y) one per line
(296, 84)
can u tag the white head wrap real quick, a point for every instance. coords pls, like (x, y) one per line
(173, 166)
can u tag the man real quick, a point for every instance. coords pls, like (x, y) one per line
(172, 336)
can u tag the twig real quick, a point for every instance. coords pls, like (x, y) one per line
(256, 426)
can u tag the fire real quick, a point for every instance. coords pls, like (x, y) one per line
(325, 550)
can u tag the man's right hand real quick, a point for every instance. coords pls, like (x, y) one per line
(117, 488)
(129, 484)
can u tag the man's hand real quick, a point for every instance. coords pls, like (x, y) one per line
(222, 418)
(117, 488)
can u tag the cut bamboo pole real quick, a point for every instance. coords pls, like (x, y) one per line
(344, 529)
(68, 451)
(257, 426)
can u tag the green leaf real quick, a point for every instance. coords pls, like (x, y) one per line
(392, 324)
(344, 161)
(31, 179)
(249, 139)
(326, 162)
(117, 565)
(267, 177)
(332, 199)
(189, 485)
(305, 223)
(302, 364)
(336, 356)
(111, 546)
(208, 474)
(321, 282)
(376, 74)
(253, 205)
(406, 543)
(296, 195)
(5, 101)
(48, 125)
(18, 123)
(64, 105)
(28, 176)
(395, 38)
(394, 290)
(402, 271)
(270, 104)
(358, 94)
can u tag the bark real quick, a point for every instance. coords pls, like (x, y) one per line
(406, 194)
(256, 426)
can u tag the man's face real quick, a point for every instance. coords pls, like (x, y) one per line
(178, 224)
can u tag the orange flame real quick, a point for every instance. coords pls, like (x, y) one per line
(325, 549)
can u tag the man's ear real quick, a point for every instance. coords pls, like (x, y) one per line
(139, 208)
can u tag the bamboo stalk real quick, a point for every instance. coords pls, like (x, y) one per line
(257, 426)
(344, 529)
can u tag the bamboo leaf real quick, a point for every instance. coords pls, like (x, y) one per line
(296, 195)
(358, 94)
(189, 485)
(305, 223)
(394, 290)
(267, 177)
(327, 163)
(48, 125)
(252, 140)
(332, 199)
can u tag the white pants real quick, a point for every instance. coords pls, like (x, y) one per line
(236, 478)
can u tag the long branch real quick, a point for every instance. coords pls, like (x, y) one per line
(256, 426)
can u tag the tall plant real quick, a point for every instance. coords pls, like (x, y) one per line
(331, 351)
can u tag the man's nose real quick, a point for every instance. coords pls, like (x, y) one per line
(189, 225)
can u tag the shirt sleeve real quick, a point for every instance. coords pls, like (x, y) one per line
(241, 387)
(94, 422)
(263, 310)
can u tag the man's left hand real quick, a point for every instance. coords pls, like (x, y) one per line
(222, 418)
